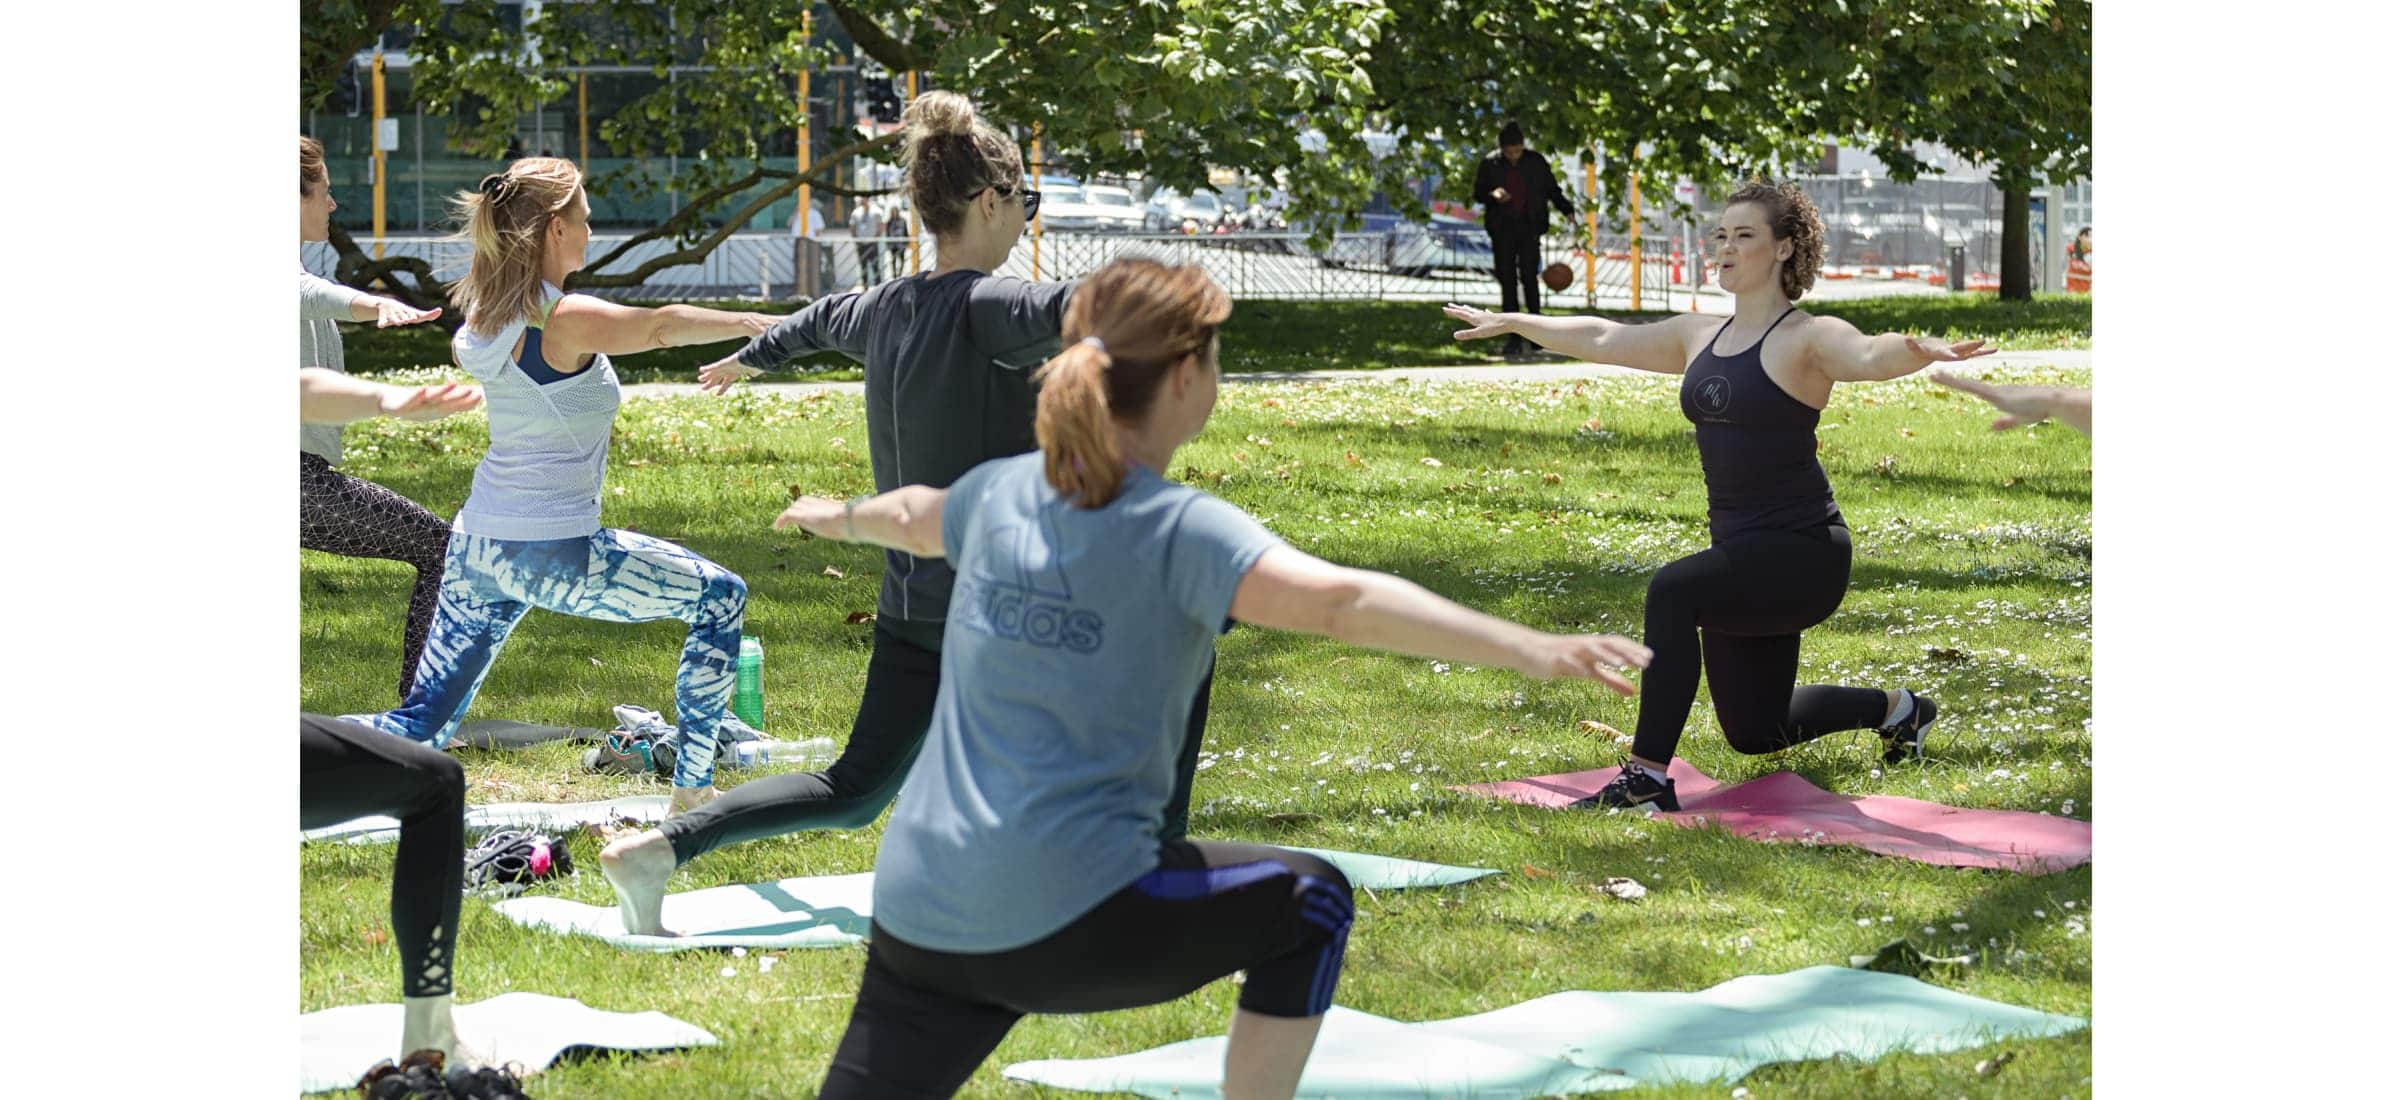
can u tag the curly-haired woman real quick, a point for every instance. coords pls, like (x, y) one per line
(1780, 555)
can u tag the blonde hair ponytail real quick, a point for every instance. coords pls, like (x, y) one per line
(506, 220)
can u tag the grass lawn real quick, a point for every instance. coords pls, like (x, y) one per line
(1269, 336)
(1551, 504)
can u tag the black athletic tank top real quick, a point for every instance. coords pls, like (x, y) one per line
(1759, 445)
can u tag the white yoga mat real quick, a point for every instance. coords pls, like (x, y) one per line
(528, 1030)
(836, 910)
(826, 911)
(545, 816)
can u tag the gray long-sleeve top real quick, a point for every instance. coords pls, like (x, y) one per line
(947, 362)
(321, 303)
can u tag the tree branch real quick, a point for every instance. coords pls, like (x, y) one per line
(879, 44)
(688, 216)
(356, 269)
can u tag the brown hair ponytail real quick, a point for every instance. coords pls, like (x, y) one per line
(1128, 326)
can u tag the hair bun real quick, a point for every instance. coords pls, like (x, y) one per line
(940, 113)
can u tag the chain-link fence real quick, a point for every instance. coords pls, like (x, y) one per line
(1405, 265)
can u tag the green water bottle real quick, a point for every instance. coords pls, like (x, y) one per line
(747, 699)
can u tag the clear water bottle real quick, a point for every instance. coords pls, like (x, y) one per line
(747, 698)
(810, 754)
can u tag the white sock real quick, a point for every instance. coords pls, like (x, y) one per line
(1661, 777)
(1901, 712)
(428, 1024)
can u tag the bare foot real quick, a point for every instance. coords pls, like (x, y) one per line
(640, 867)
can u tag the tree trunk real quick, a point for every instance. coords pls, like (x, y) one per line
(2018, 275)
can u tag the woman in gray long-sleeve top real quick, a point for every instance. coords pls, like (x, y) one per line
(340, 514)
(947, 358)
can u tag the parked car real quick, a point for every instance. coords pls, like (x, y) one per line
(1168, 211)
(1094, 208)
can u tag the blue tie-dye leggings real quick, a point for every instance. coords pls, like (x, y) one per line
(488, 584)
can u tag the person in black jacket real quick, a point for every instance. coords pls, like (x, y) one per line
(1514, 186)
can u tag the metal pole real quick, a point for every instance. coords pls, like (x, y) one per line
(1037, 224)
(1635, 243)
(1591, 226)
(419, 161)
(583, 115)
(805, 119)
(381, 164)
(913, 224)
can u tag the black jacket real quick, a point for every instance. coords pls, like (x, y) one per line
(1536, 176)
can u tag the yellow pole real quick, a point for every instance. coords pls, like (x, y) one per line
(1591, 242)
(585, 122)
(913, 224)
(1635, 243)
(381, 162)
(1037, 224)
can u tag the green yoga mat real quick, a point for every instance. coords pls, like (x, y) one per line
(1579, 1042)
(836, 910)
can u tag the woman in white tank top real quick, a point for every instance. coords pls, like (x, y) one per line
(529, 534)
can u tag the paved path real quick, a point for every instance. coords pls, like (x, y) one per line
(1491, 372)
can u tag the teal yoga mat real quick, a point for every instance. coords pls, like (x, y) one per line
(836, 910)
(1580, 1042)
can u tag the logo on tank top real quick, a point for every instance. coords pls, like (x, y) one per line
(1711, 395)
(1016, 590)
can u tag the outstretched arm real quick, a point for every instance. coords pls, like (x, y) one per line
(907, 519)
(585, 325)
(1288, 589)
(2028, 404)
(1845, 355)
(1659, 347)
(330, 397)
(835, 323)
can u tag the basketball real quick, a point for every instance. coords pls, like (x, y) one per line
(1557, 276)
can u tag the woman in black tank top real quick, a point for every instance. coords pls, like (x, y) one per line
(1780, 555)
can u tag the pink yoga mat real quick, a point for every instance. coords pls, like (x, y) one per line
(1785, 808)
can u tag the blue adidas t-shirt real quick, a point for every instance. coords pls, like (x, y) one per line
(1075, 642)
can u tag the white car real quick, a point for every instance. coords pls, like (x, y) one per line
(1168, 211)
(1096, 208)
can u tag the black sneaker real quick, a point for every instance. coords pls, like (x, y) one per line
(1902, 739)
(1632, 789)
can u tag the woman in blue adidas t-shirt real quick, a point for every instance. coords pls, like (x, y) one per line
(529, 534)
(1025, 869)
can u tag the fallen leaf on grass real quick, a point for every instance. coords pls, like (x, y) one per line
(1946, 653)
(1625, 889)
(1292, 819)
(832, 571)
(1552, 479)
(858, 617)
(1589, 725)
(374, 936)
(1531, 870)
(1431, 463)
(1993, 1065)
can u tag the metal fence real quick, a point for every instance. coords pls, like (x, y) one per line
(1405, 265)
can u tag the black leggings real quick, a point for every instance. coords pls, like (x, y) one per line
(901, 687)
(924, 1020)
(349, 771)
(1738, 609)
(355, 518)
